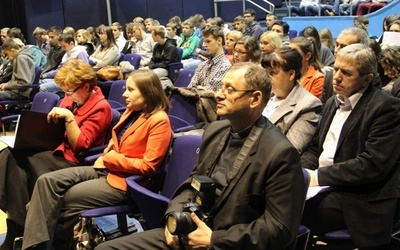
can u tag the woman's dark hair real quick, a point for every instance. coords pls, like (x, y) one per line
(150, 87)
(311, 31)
(252, 47)
(308, 45)
(110, 37)
(285, 58)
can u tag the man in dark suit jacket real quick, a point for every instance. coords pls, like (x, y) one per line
(356, 151)
(260, 186)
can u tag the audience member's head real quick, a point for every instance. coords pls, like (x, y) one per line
(230, 40)
(213, 40)
(349, 36)
(149, 23)
(282, 28)
(11, 48)
(198, 21)
(239, 24)
(389, 19)
(116, 28)
(75, 73)
(390, 61)
(355, 68)
(178, 22)
(40, 34)
(82, 37)
(394, 26)
(252, 80)
(187, 28)
(211, 22)
(171, 29)
(69, 30)
(285, 69)
(326, 38)
(247, 49)
(269, 42)
(249, 16)
(3, 33)
(308, 49)
(311, 31)
(149, 86)
(67, 41)
(361, 21)
(16, 33)
(138, 19)
(270, 19)
(158, 30)
(106, 37)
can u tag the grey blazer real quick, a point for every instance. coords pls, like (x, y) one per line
(297, 117)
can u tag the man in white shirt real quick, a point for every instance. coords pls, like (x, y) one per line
(356, 152)
(118, 36)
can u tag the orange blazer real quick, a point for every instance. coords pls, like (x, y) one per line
(141, 150)
(313, 81)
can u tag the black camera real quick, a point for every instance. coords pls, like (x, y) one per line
(180, 223)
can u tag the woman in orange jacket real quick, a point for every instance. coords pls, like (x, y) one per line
(139, 143)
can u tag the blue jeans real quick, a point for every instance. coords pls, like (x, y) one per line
(49, 85)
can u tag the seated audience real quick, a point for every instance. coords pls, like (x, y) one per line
(83, 38)
(312, 78)
(230, 40)
(269, 42)
(282, 29)
(240, 25)
(139, 143)
(171, 29)
(164, 52)
(348, 7)
(327, 39)
(267, 179)
(247, 49)
(42, 40)
(253, 28)
(72, 51)
(188, 40)
(270, 19)
(302, 9)
(390, 62)
(370, 6)
(56, 52)
(326, 55)
(118, 36)
(107, 53)
(294, 110)
(356, 153)
(87, 116)
(144, 43)
(209, 73)
(23, 70)
(200, 53)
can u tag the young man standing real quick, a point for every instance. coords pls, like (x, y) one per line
(253, 28)
(164, 52)
(23, 72)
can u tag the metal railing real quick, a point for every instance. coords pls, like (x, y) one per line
(271, 6)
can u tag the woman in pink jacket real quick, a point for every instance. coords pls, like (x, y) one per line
(138, 146)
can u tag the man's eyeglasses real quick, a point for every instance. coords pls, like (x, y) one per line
(240, 52)
(70, 92)
(230, 90)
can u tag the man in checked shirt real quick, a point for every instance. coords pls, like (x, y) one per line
(209, 73)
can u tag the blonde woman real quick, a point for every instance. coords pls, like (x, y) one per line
(230, 40)
(269, 42)
(83, 38)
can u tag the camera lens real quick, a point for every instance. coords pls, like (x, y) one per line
(180, 223)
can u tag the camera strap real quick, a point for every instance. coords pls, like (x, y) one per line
(241, 157)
